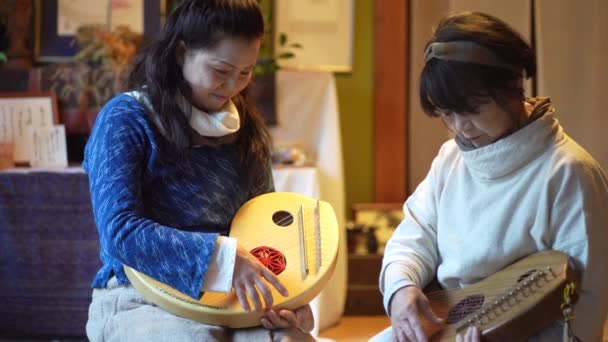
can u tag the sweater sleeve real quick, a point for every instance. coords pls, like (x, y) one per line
(410, 255)
(115, 160)
(579, 222)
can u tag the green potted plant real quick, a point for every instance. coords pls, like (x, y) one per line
(98, 72)
(269, 54)
(3, 40)
(262, 89)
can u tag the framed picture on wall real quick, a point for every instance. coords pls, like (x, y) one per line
(56, 22)
(324, 29)
(24, 119)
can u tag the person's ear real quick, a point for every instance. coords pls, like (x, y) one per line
(180, 52)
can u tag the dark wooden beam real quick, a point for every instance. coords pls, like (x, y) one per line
(390, 100)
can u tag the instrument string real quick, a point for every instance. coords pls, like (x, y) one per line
(303, 245)
(317, 221)
(445, 297)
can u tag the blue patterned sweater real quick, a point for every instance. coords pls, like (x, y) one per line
(157, 212)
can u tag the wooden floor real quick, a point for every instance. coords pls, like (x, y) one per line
(362, 328)
(356, 328)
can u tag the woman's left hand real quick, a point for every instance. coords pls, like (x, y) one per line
(301, 318)
(472, 335)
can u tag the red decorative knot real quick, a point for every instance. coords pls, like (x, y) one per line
(271, 258)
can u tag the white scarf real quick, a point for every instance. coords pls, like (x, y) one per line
(223, 122)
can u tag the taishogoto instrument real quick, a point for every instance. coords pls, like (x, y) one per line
(510, 305)
(293, 235)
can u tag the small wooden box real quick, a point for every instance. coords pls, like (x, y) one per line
(363, 294)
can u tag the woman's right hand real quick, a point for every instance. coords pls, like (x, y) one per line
(407, 306)
(251, 278)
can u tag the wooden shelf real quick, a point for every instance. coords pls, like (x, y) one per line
(363, 295)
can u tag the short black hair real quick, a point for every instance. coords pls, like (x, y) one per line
(459, 87)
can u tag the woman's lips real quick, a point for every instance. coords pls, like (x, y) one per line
(220, 97)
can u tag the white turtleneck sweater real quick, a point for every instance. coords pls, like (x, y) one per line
(478, 211)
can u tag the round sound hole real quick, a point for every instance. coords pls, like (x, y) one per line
(282, 218)
(464, 308)
(273, 259)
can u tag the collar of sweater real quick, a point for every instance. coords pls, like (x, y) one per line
(515, 150)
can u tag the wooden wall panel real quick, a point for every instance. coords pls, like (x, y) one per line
(390, 100)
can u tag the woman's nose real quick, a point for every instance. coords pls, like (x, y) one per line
(461, 122)
(229, 83)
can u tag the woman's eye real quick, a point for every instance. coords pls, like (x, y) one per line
(221, 72)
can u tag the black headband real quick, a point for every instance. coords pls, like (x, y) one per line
(466, 51)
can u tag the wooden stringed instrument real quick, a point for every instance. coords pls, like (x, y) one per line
(293, 235)
(510, 305)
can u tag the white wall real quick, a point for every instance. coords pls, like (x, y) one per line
(572, 47)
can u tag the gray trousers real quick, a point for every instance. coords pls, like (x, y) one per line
(119, 313)
(553, 333)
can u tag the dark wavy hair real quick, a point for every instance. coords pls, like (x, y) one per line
(201, 24)
(460, 87)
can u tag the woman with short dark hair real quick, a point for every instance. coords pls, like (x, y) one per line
(510, 183)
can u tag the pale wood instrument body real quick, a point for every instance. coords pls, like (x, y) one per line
(508, 305)
(277, 220)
